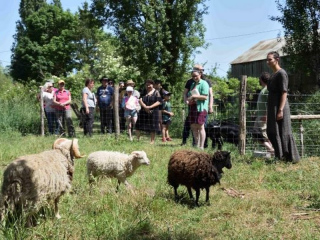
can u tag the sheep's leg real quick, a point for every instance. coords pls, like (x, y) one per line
(118, 185)
(176, 192)
(190, 192)
(207, 194)
(56, 209)
(197, 196)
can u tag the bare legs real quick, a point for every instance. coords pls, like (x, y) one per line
(131, 121)
(152, 134)
(199, 134)
(165, 132)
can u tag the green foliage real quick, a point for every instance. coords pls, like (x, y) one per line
(226, 94)
(43, 44)
(157, 37)
(50, 41)
(300, 19)
(18, 106)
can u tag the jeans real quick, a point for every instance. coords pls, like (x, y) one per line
(88, 121)
(106, 119)
(65, 116)
(51, 119)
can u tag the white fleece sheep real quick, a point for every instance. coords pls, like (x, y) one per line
(115, 164)
(31, 181)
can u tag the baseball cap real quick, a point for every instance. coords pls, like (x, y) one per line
(129, 89)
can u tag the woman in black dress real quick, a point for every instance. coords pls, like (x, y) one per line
(278, 118)
(148, 116)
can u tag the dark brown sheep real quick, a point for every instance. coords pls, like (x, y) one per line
(196, 170)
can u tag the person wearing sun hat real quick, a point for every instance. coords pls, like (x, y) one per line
(131, 105)
(49, 108)
(131, 83)
(62, 100)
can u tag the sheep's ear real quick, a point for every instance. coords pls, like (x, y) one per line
(58, 142)
(135, 153)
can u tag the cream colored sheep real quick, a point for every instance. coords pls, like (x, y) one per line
(31, 181)
(115, 164)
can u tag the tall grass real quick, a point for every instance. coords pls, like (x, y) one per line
(21, 116)
(277, 200)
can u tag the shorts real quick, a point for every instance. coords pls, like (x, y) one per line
(130, 113)
(196, 117)
(262, 126)
(166, 122)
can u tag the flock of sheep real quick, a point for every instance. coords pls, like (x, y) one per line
(31, 181)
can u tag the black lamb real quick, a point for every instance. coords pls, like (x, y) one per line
(197, 170)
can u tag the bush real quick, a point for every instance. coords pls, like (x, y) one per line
(19, 108)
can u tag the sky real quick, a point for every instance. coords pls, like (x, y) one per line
(233, 27)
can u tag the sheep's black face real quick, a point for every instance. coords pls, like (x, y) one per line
(227, 159)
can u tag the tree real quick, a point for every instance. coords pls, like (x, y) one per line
(156, 36)
(87, 38)
(43, 42)
(300, 19)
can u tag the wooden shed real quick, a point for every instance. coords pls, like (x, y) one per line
(253, 62)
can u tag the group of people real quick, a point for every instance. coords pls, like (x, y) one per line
(150, 110)
(273, 115)
(145, 111)
(57, 108)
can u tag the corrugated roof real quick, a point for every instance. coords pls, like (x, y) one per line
(259, 51)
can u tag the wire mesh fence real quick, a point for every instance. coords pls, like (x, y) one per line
(224, 122)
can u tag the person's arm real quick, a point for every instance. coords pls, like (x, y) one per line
(185, 95)
(55, 100)
(283, 100)
(156, 104)
(168, 113)
(67, 102)
(142, 104)
(210, 100)
(97, 98)
(198, 97)
(84, 100)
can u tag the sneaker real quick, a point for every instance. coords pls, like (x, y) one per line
(164, 140)
(169, 139)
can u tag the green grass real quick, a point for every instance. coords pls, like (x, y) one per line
(280, 201)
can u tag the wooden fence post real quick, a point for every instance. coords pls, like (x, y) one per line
(41, 111)
(116, 111)
(242, 115)
(301, 137)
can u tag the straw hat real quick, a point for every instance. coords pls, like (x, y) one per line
(130, 82)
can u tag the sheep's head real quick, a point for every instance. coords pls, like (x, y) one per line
(222, 159)
(141, 157)
(71, 145)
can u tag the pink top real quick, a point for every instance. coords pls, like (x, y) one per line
(131, 102)
(62, 97)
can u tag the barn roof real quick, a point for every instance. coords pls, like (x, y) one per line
(259, 51)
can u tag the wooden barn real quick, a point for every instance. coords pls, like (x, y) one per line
(253, 62)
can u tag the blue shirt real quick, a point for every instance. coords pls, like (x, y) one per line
(104, 95)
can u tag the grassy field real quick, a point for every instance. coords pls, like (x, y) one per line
(256, 199)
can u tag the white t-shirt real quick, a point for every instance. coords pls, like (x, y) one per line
(91, 99)
(48, 101)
